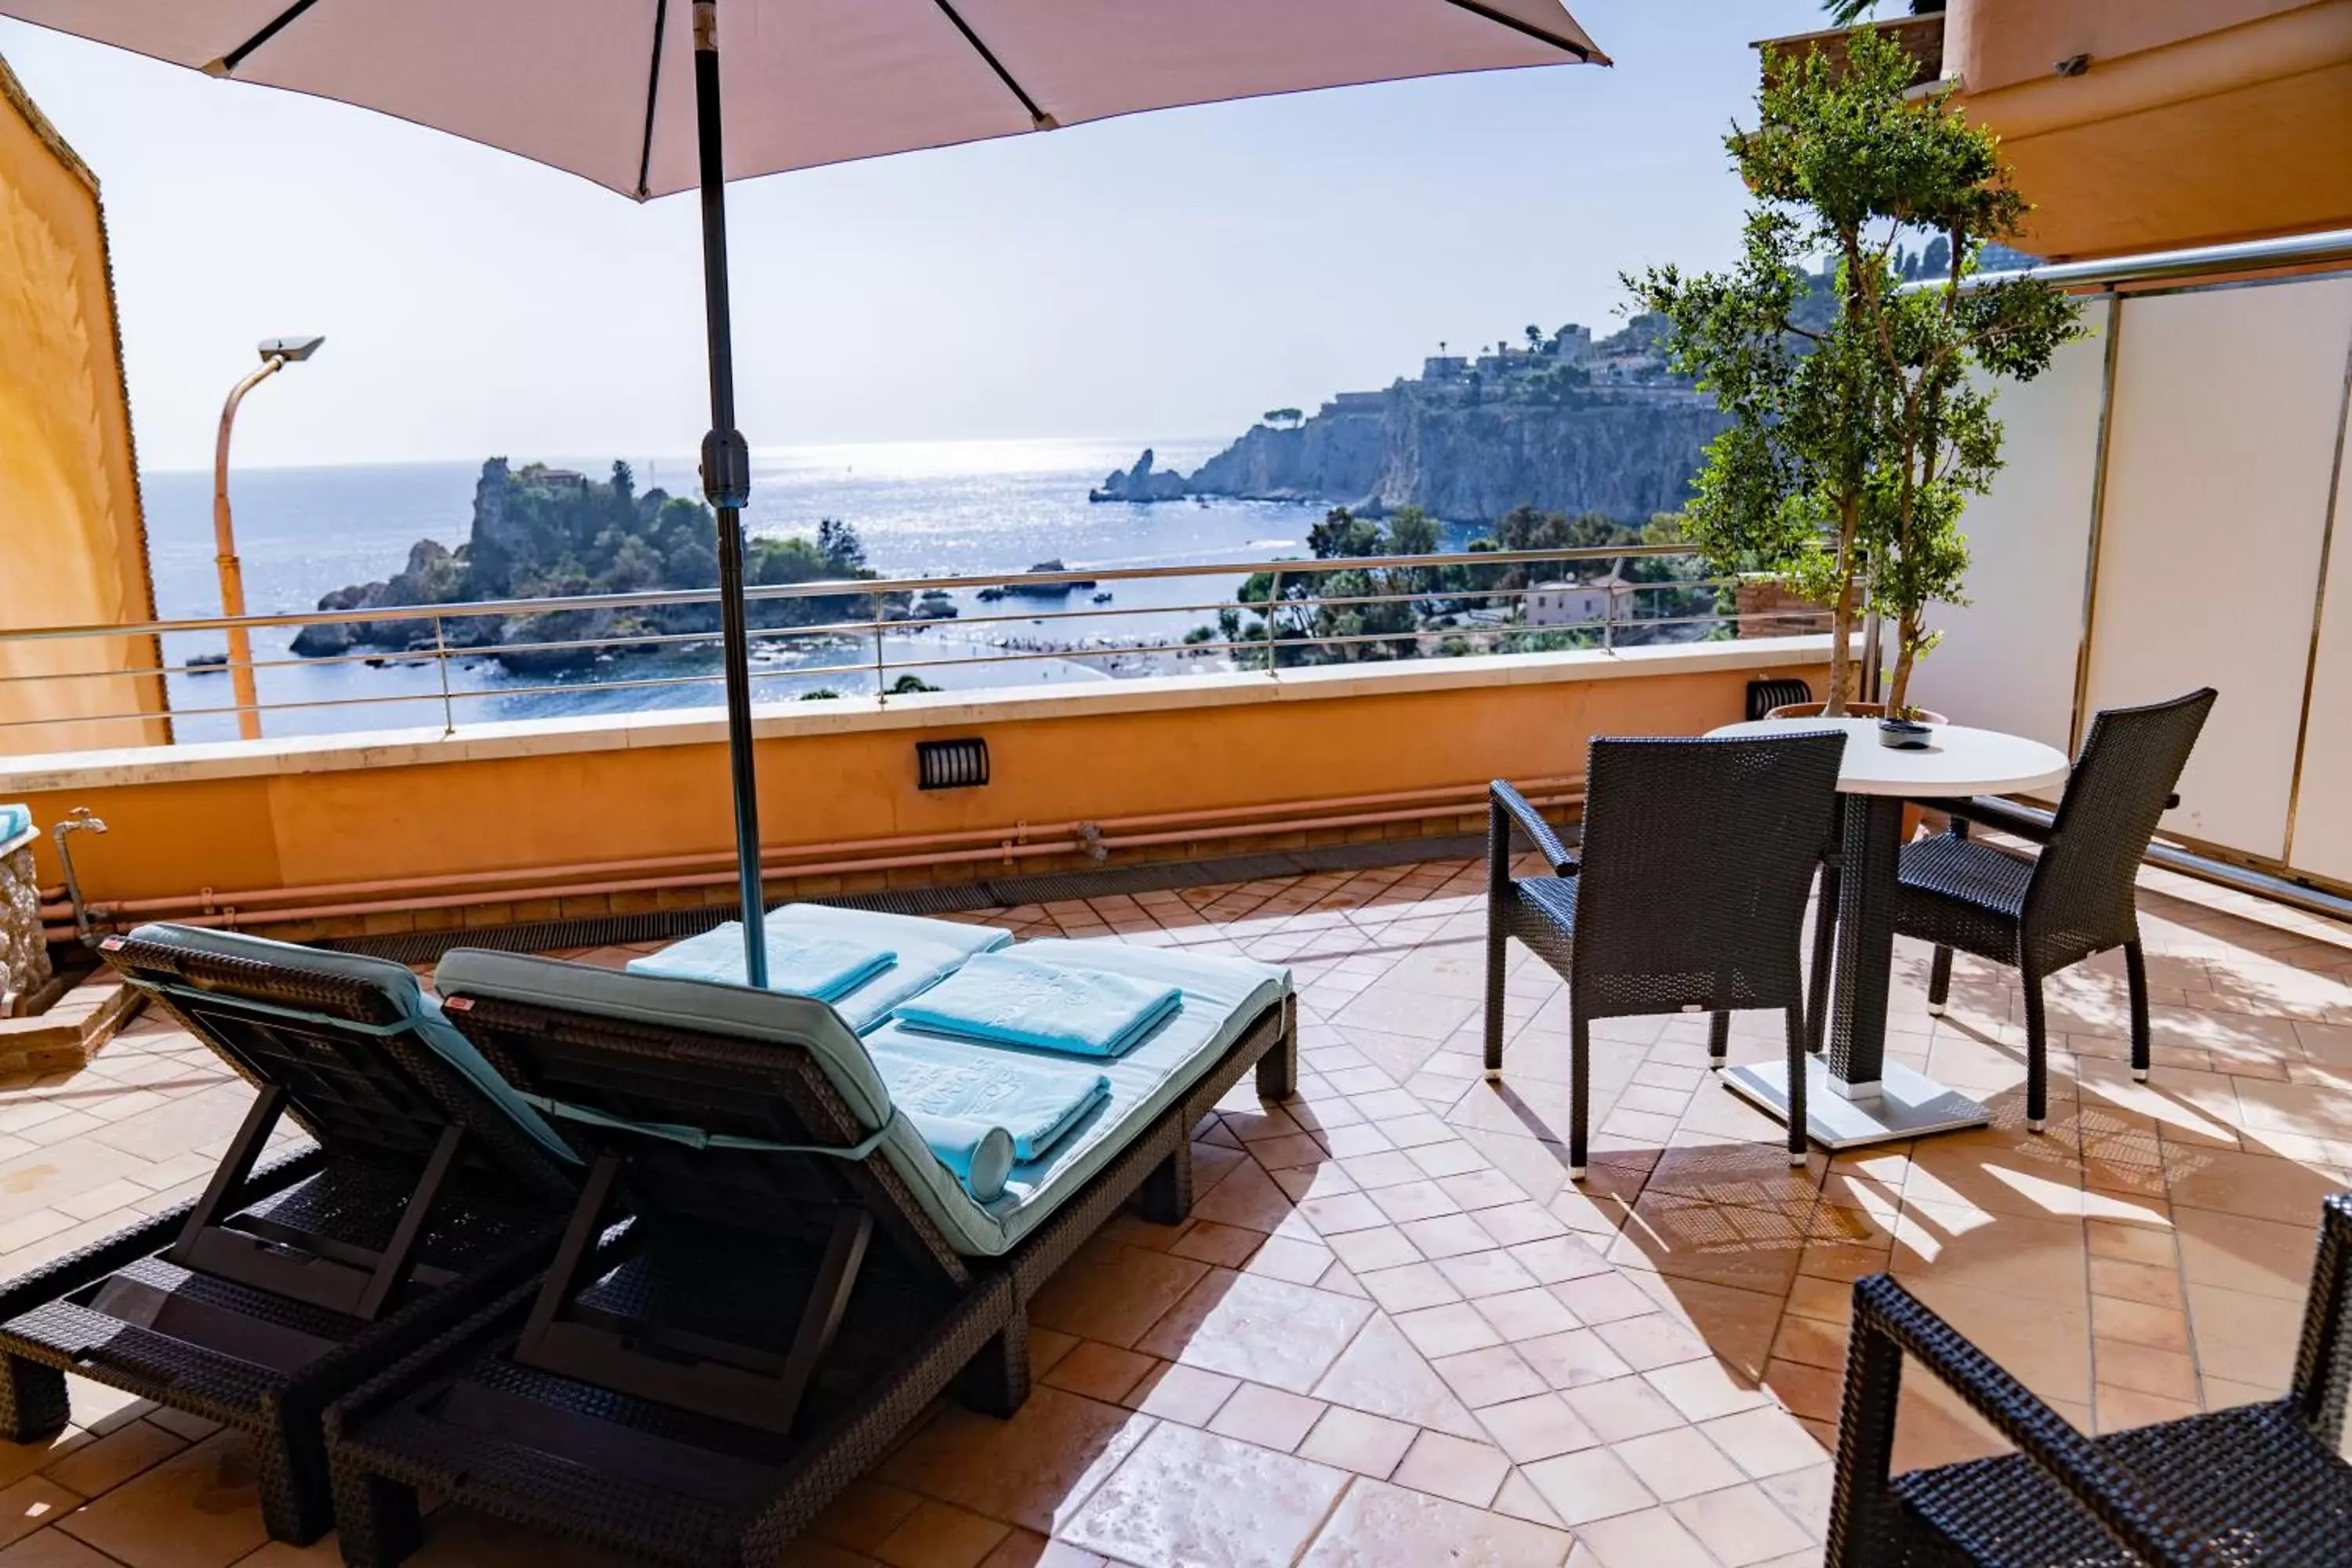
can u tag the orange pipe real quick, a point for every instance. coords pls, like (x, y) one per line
(781, 858)
(846, 867)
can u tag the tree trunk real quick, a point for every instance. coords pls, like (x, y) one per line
(1841, 617)
(1906, 653)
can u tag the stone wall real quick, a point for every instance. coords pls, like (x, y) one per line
(24, 953)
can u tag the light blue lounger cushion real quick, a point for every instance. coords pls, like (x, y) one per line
(928, 950)
(1223, 996)
(396, 983)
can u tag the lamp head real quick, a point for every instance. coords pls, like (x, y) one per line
(293, 351)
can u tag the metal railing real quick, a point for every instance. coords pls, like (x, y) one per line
(1461, 601)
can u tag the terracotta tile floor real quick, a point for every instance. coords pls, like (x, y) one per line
(1391, 1332)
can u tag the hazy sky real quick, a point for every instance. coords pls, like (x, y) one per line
(1162, 277)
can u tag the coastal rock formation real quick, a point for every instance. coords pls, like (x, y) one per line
(1565, 424)
(1141, 482)
(540, 533)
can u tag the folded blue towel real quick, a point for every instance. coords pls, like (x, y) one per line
(1010, 1000)
(979, 1153)
(797, 965)
(14, 820)
(1037, 1103)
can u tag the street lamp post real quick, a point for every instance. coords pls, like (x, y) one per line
(276, 355)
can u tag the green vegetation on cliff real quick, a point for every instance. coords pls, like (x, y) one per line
(540, 533)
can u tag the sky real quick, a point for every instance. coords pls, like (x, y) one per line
(1160, 278)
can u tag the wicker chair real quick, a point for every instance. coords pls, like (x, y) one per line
(1689, 894)
(2074, 899)
(2256, 1484)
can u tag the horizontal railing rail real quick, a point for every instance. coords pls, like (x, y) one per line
(1294, 622)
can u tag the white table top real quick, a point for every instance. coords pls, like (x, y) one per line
(1956, 760)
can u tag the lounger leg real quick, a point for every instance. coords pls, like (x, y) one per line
(32, 1401)
(2135, 977)
(996, 1380)
(1719, 1041)
(1580, 1051)
(2037, 1056)
(1165, 1195)
(1940, 981)
(298, 1503)
(376, 1522)
(1278, 1070)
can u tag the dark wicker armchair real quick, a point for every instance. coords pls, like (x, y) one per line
(2074, 899)
(1689, 894)
(2256, 1484)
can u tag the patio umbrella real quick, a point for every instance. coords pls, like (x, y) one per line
(602, 87)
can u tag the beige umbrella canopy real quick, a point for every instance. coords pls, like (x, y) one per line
(605, 88)
(626, 93)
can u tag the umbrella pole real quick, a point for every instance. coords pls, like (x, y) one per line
(726, 481)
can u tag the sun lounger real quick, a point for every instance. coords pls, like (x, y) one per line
(801, 1275)
(927, 951)
(429, 1192)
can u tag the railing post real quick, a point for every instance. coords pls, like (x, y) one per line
(1273, 626)
(881, 671)
(441, 658)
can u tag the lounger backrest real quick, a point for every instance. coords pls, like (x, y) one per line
(369, 1069)
(732, 1107)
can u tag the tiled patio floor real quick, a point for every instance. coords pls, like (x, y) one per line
(1392, 1333)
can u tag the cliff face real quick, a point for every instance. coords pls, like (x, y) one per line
(1627, 453)
(1625, 458)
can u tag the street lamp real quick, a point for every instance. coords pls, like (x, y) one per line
(276, 355)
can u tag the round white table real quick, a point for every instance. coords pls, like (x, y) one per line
(1857, 1097)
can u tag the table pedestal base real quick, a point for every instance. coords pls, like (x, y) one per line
(1908, 1104)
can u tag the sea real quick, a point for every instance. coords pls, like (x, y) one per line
(962, 509)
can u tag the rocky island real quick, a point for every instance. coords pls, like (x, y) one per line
(542, 532)
(1562, 421)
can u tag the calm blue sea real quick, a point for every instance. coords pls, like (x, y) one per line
(923, 509)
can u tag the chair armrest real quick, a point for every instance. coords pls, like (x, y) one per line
(2030, 823)
(1512, 813)
(2111, 1495)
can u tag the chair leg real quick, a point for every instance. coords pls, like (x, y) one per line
(32, 1401)
(1719, 1041)
(1940, 981)
(2037, 1056)
(1497, 951)
(2135, 978)
(1579, 1073)
(1797, 1065)
(1817, 995)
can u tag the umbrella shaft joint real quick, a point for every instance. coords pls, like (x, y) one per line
(726, 469)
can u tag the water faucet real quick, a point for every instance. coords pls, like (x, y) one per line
(81, 819)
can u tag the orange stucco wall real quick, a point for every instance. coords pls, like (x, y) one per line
(72, 548)
(849, 776)
(2195, 123)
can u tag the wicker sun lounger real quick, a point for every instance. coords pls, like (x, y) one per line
(428, 1192)
(799, 1280)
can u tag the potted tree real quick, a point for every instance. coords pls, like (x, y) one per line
(1862, 409)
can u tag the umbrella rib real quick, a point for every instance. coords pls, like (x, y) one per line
(228, 62)
(653, 96)
(1505, 19)
(1038, 117)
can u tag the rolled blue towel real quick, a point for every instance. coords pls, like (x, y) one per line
(802, 965)
(980, 1154)
(1008, 999)
(1037, 1103)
